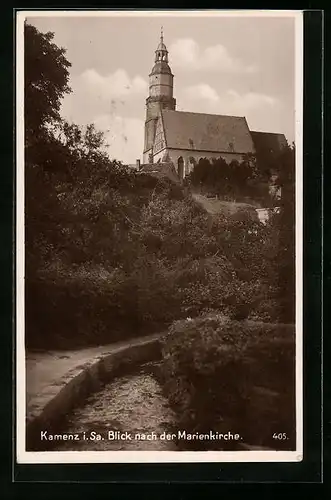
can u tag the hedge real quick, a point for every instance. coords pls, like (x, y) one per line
(237, 376)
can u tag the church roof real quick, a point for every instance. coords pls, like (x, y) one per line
(206, 132)
(268, 146)
(268, 142)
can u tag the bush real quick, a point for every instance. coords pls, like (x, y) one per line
(225, 375)
(234, 180)
(267, 310)
(69, 308)
(123, 263)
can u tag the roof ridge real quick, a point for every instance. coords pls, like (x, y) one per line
(197, 113)
(269, 133)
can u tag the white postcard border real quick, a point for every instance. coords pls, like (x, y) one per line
(24, 457)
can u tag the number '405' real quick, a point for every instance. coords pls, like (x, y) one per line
(280, 435)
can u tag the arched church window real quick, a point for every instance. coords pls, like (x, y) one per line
(192, 164)
(180, 168)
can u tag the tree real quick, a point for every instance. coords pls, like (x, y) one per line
(235, 179)
(285, 222)
(46, 80)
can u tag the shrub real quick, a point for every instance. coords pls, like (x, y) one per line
(223, 375)
(267, 310)
(86, 305)
(122, 267)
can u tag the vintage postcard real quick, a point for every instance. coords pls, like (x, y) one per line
(159, 236)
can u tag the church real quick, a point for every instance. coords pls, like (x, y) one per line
(181, 138)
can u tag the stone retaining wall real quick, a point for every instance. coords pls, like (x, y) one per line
(50, 413)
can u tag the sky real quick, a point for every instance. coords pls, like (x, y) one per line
(242, 66)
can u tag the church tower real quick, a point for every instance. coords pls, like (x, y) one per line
(160, 95)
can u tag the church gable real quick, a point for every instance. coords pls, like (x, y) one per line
(206, 132)
(159, 141)
(268, 146)
(267, 143)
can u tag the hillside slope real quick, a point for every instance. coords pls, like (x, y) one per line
(228, 208)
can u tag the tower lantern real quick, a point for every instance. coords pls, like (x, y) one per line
(161, 53)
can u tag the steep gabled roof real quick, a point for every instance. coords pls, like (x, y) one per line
(206, 132)
(268, 142)
(268, 145)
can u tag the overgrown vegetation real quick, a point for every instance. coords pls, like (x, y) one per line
(235, 181)
(236, 376)
(111, 253)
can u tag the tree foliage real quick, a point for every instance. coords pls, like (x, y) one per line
(211, 371)
(284, 225)
(46, 78)
(234, 180)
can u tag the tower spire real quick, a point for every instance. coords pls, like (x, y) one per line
(161, 53)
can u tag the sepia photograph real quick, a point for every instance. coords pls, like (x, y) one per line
(159, 236)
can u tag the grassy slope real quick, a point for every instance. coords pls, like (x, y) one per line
(228, 208)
